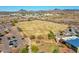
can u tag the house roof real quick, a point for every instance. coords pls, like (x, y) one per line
(73, 41)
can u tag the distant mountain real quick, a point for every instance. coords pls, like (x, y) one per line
(71, 9)
(22, 10)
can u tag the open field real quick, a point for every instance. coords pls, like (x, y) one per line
(42, 28)
(38, 27)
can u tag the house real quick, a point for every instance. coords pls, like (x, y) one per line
(69, 38)
(71, 31)
(72, 42)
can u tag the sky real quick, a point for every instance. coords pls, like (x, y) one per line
(35, 8)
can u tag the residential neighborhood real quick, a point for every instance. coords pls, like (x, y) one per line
(43, 31)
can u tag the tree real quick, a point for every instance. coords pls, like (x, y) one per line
(51, 35)
(61, 33)
(9, 38)
(70, 28)
(0, 40)
(14, 21)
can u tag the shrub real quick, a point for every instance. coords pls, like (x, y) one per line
(32, 37)
(40, 37)
(29, 19)
(6, 31)
(77, 35)
(34, 48)
(25, 35)
(19, 29)
(1, 34)
(24, 50)
(8, 38)
(13, 24)
(13, 37)
(51, 35)
(23, 14)
(54, 48)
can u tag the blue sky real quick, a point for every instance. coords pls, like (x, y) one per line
(35, 8)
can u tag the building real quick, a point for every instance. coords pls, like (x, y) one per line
(72, 42)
